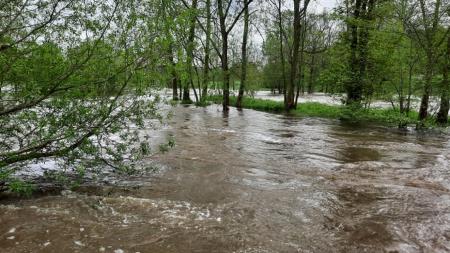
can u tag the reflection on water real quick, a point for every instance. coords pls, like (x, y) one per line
(256, 182)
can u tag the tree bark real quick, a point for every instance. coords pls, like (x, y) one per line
(354, 89)
(423, 111)
(290, 99)
(244, 58)
(207, 50)
(301, 70)
(442, 116)
(312, 72)
(174, 78)
(359, 40)
(224, 58)
(190, 52)
(224, 31)
(281, 88)
(429, 47)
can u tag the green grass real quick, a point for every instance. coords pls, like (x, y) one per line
(312, 109)
(252, 103)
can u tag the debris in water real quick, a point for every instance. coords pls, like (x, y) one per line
(11, 238)
(81, 229)
(102, 249)
(119, 251)
(12, 230)
(46, 244)
(79, 243)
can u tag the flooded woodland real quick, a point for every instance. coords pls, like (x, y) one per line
(255, 182)
(224, 126)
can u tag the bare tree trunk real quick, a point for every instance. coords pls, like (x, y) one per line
(190, 53)
(224, 58)
(423, 112)
(195, 91)
(354, 88)
(411, 64)
(312, 72)
(401, 95)
(359, 39)
(282, 59)
(180, 94)
(429, 47)
(207, 50)
(244, 58)
(170, 52)
(174, 83)
(442, 116)
(302, 61)
(290, 99)
(224, 31)
(174, 74)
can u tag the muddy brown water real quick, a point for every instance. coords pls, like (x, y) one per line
(256, 182)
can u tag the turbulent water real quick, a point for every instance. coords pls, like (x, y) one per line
(255, 182)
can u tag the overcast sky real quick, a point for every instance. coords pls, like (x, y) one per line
(317, 6)
(320, 5)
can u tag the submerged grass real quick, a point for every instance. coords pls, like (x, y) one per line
(314, 109)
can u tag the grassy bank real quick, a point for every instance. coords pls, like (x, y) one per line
(312, 109)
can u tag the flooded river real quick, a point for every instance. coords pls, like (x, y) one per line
(255, 182)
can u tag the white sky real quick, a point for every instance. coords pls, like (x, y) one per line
(320, 5)
(316, 6)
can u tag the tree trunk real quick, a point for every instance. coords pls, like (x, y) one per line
(174, 85)
(442, 116)
(312, 73)
(282, 59)
(290, 99)
(244, 57)
(224, 58)
(353, 87)
(359, 40)
(401, 94)
(301, 63)
(180, 87)
(170, 52)
(174, 75)
(190, 52)
(207, 50)
(430, 47)
(423, 112)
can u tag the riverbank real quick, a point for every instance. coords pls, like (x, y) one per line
(385, 116)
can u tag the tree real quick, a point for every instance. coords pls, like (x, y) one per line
(426, 31)
(207, 49)
(359, 30)
(190, 53)
(442, 116)
(244, 56)
(290, 91)
(281, 38)
(65, 69)
(224, 7)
